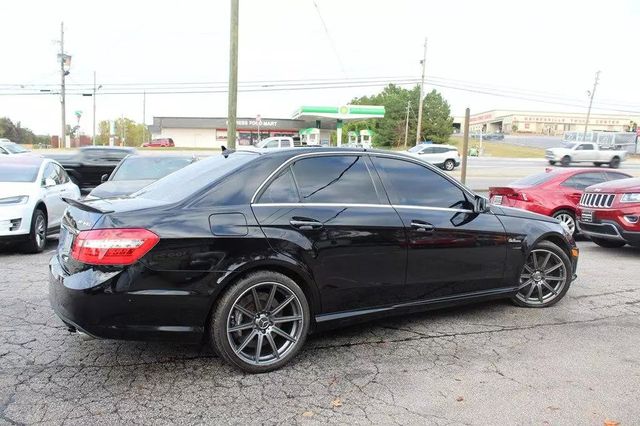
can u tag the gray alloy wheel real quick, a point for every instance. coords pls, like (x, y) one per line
(261, 322)
(38, 234)
(545, 277)
(568, 218)
(449, 165)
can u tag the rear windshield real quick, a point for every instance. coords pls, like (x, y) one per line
(533, 180)
(191, 179)
(149, 168)
(18, 172)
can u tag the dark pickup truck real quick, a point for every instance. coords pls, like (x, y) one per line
(86, 166)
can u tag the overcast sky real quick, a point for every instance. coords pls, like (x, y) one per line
(543, 46)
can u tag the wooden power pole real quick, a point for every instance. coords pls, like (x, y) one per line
(424, 64)
(465, 147)
(232, 113)
(592, 94)
(406, 125)
(63, 124)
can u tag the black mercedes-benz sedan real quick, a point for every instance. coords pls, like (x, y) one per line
(253, 251)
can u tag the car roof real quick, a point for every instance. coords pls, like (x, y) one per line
(7, 142)
(31, 160)
(122, 148)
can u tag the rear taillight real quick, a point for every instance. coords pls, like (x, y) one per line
(519, 196)
(113, 246)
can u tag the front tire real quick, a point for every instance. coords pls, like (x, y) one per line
(38, 233)
(449, 165)
(545, 277)
(566, 161)
(569, 218)
(606, 243)
(553, 163)
(261, 322)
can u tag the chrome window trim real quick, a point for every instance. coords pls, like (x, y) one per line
(387, 206)
(408, 158)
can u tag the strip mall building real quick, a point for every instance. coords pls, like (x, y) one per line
(543, 122)
(211, 132)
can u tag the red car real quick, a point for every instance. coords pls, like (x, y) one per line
(159, 143)
(555, 193)
(609, 213)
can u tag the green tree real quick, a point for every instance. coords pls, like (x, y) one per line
(437, 123)
(127, 132)
(17, 133)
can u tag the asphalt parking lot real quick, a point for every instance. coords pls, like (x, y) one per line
(575, 363)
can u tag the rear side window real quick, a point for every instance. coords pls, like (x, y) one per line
(583, 180)
(616, 176)
(335, 179)
(281, 190)
(533, 180)
(411, 184)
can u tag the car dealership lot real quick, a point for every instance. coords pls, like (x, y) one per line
(574, 363)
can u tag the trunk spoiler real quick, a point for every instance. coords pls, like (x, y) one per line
(84, 206)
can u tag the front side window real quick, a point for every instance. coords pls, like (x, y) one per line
(50, 172)
(271, 144)
(335, 179)
(61, 175)
(410, 184)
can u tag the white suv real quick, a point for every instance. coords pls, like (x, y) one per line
(31, 206)
(446, 157)
(11, 148)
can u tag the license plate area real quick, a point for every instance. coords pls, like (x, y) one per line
(65, 241)
(587, 216)
(497, 199)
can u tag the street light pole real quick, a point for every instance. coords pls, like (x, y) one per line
(233, 76)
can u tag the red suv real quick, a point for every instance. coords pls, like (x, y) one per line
(609, 213)
(159, 143)
(555, 193)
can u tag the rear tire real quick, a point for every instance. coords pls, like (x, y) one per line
(566, 161)
(567, 217)
(261, 322)
(38, 233)
(614, 163)
(606, 243)
(449, 165)
(545, 277)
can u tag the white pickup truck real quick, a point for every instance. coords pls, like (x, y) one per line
(585, 152)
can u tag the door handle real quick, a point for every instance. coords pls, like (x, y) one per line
(422, 226)
(305, 224)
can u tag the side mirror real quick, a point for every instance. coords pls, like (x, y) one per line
(480, 205)
(104, 178)
(48, 182)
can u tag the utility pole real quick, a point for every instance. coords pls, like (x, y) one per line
(144, 115)
(593, 92)
(424, 64)
(233, 76)
(465, 146)
(63, 126)
(93, 140)
(406, 125)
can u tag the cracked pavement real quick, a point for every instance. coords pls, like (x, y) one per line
(575, 363)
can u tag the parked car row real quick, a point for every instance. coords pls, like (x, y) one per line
(555, 192)
(35, 191)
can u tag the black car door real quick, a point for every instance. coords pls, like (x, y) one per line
(451, 249)
(330, 213)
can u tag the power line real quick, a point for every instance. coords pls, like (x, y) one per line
(326, 30)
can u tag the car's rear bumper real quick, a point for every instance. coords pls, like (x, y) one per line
(93, 302)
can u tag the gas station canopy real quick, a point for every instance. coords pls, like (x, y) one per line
(339, 114)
